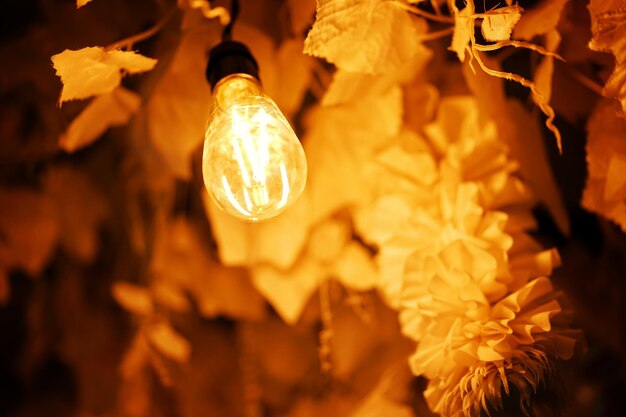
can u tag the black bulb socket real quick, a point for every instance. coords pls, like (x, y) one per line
(227, 58)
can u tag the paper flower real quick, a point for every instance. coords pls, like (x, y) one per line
(454, 214)
(469, 149)
(472, 350)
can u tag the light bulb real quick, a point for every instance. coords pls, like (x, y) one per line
(253, 164)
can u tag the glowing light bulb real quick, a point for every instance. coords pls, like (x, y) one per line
(253, 164)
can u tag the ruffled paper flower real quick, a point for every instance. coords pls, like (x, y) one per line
(449, 185)
(454, 214)
(469, 149)
(473, 350)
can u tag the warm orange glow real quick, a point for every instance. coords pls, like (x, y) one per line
(253, 164)
(444, 259)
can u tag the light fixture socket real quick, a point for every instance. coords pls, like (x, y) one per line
(230, 57)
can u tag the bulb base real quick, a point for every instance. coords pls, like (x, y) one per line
(227, 58)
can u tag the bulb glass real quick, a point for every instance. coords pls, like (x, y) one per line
(253, 164)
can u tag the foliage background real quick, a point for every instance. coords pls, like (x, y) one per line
(63, 336)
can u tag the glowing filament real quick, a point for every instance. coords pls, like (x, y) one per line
(253, 164)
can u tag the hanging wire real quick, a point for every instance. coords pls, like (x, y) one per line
(234, 12)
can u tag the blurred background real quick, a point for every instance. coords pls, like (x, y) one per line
(76, 224)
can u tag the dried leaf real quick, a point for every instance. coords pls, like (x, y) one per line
(182, 262)
(463, 29)
(133, 298)
(277, 241)
(329, 253)
(355, 268)
(168, 341)
(29, 230)
(107, 110)
(135, 358)
(420, 105)
(289, 291)
(545, 70)
(464, 41)
(292, 78)
(301, 15)
(540, 19)
(605, 192)
(178, 108)
(80, 208)
(520, 130)
(93, 70)
(498, 24)
(170, 296)
(339, 142)
(327, 240)
(608, 26)
(349, 86)
(379, 221)
(364, 36)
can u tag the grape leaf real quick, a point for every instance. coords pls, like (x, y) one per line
(608, 26)
(93, 70)
(364, 36)
(182, 263)
(107, 110)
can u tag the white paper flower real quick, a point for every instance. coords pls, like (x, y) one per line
(473, 350)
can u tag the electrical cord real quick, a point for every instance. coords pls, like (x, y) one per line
(234, 12)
